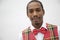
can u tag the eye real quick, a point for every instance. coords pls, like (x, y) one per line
(38, 9)
(31, 11)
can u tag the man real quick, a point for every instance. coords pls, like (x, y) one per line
(35, 13)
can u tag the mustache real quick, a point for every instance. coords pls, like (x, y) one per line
(35, 18)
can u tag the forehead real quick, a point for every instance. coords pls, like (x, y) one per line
(34, 5)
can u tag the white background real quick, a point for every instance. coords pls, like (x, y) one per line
(13, 18)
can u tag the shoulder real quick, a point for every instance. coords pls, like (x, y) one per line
(52, 29)
(26, 30)
(50, 26)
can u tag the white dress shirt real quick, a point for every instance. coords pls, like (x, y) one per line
(39, 36)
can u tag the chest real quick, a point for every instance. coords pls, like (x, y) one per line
(39, 36)
(51, 34)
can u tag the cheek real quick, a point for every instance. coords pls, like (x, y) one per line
(40, 14)
(30, 16)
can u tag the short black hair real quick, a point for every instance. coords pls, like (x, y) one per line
(35, 1)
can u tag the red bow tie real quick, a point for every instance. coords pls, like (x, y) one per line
(41, 30)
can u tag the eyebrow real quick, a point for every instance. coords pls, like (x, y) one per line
(35, 8)
(38, 8)
(30, 9)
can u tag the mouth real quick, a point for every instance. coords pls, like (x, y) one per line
(36, 19)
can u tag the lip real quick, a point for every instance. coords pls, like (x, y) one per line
(35, 19)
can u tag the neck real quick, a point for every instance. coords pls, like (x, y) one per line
(38, 25)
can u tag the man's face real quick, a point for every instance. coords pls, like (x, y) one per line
(35, 12)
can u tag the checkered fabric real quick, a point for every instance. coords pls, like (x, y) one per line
(28, 35)
(51, 34)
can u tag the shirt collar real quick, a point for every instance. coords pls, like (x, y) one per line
(43, 25)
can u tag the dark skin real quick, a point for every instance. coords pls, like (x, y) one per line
(35, 14)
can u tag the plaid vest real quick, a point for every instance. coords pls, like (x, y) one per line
(51, 34)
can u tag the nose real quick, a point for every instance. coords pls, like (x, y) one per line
(35, 13)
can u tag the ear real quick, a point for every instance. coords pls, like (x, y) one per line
(43, 11)
(27, 15)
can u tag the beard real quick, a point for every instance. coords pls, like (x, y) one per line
(36, 20)
(36, 23)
